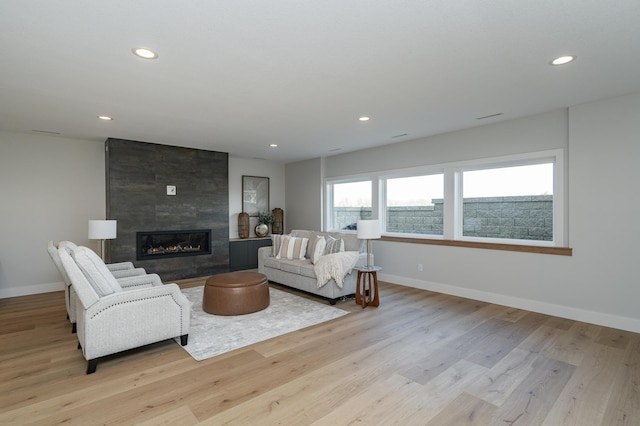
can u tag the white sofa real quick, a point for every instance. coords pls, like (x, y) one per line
(300, 274)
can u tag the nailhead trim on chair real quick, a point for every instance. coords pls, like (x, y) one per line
(138, 300)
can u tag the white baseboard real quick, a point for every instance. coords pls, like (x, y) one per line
(592, 317)
(31, 289)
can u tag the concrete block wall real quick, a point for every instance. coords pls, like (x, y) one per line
(522, 217)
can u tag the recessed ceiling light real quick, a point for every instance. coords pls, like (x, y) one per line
(105, 118)
(273, 145)
(563, 60)
(144, 53)
(364, 118)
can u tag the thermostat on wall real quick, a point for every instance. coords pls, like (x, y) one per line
(171, 190)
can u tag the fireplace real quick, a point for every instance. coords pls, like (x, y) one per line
(164, 244)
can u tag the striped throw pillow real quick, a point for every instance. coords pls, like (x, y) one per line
(276, 243)
(293, 248)
(316, 248)
(333, 245)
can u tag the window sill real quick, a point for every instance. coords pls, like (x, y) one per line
(561, 251)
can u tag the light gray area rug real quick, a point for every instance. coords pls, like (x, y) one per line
(212, 335)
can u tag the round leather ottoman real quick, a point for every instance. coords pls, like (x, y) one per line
(235, 293)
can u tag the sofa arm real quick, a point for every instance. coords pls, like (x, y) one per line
(119, 266)
(129, 319)
(263, 253)
(123, 273)
(141, 281)
(122, 300)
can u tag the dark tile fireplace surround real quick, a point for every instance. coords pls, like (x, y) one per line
(184, 235)
(164, 244)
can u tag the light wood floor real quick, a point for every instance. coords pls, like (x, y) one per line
(421, 358)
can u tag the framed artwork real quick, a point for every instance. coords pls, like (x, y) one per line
(255, 195)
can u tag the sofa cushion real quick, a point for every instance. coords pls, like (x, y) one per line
(96, 272)
(306, 269)
(292, 266)
(316, 248)
(293, 248)
(351, 240)
(302, 233)
(272, 262)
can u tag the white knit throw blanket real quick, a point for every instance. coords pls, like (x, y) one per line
(336, 266)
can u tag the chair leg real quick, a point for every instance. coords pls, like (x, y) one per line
(91, 365)
(79, 345)
(183, 339)
(74, 328)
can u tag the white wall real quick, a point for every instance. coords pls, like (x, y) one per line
(604, 147)
(242, 166)
(598, 284)
(536, 133)
(304, 194)
(51, 187)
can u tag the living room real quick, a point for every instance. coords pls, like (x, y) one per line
(61, 185)
(595, 284)
(55, 182)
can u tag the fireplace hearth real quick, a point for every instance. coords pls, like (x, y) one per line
(165, 244)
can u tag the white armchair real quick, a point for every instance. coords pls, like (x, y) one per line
(110, 320)
(119, 270)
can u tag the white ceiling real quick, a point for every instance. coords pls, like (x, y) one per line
(237, 75)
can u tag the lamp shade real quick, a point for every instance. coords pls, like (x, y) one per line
(368, 229)
(102, 229)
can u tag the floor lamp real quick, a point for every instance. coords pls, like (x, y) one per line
(369, 230)
(102, 230)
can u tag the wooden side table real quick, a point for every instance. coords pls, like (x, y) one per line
(367, 280)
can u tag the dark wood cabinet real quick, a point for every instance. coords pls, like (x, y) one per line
(243, 253)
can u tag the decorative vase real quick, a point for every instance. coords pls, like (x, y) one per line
(278, 221)
(261, 230)
(243, 225)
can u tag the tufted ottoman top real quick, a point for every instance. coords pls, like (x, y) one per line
(236, 279)
(235, 293)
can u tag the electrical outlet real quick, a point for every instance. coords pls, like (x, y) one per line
(419, 267)
(171, 190)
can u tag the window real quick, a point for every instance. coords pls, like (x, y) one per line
(517, 199)
(348, 202)
(414, 204)
(514, 202)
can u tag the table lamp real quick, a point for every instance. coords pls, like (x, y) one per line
(369, 230)
(102, 230)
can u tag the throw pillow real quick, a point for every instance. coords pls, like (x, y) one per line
(316, 248)
(293, 248)
(276, 243)
(334, 245)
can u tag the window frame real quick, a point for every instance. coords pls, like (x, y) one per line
(554, 157)
(452, 202)
(382, 215)
(329, 224)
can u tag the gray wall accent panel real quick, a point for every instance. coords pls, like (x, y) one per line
(137, 176)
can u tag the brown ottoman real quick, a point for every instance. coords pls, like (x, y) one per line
(235, 293)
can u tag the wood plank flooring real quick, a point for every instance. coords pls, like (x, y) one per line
(421, 358)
